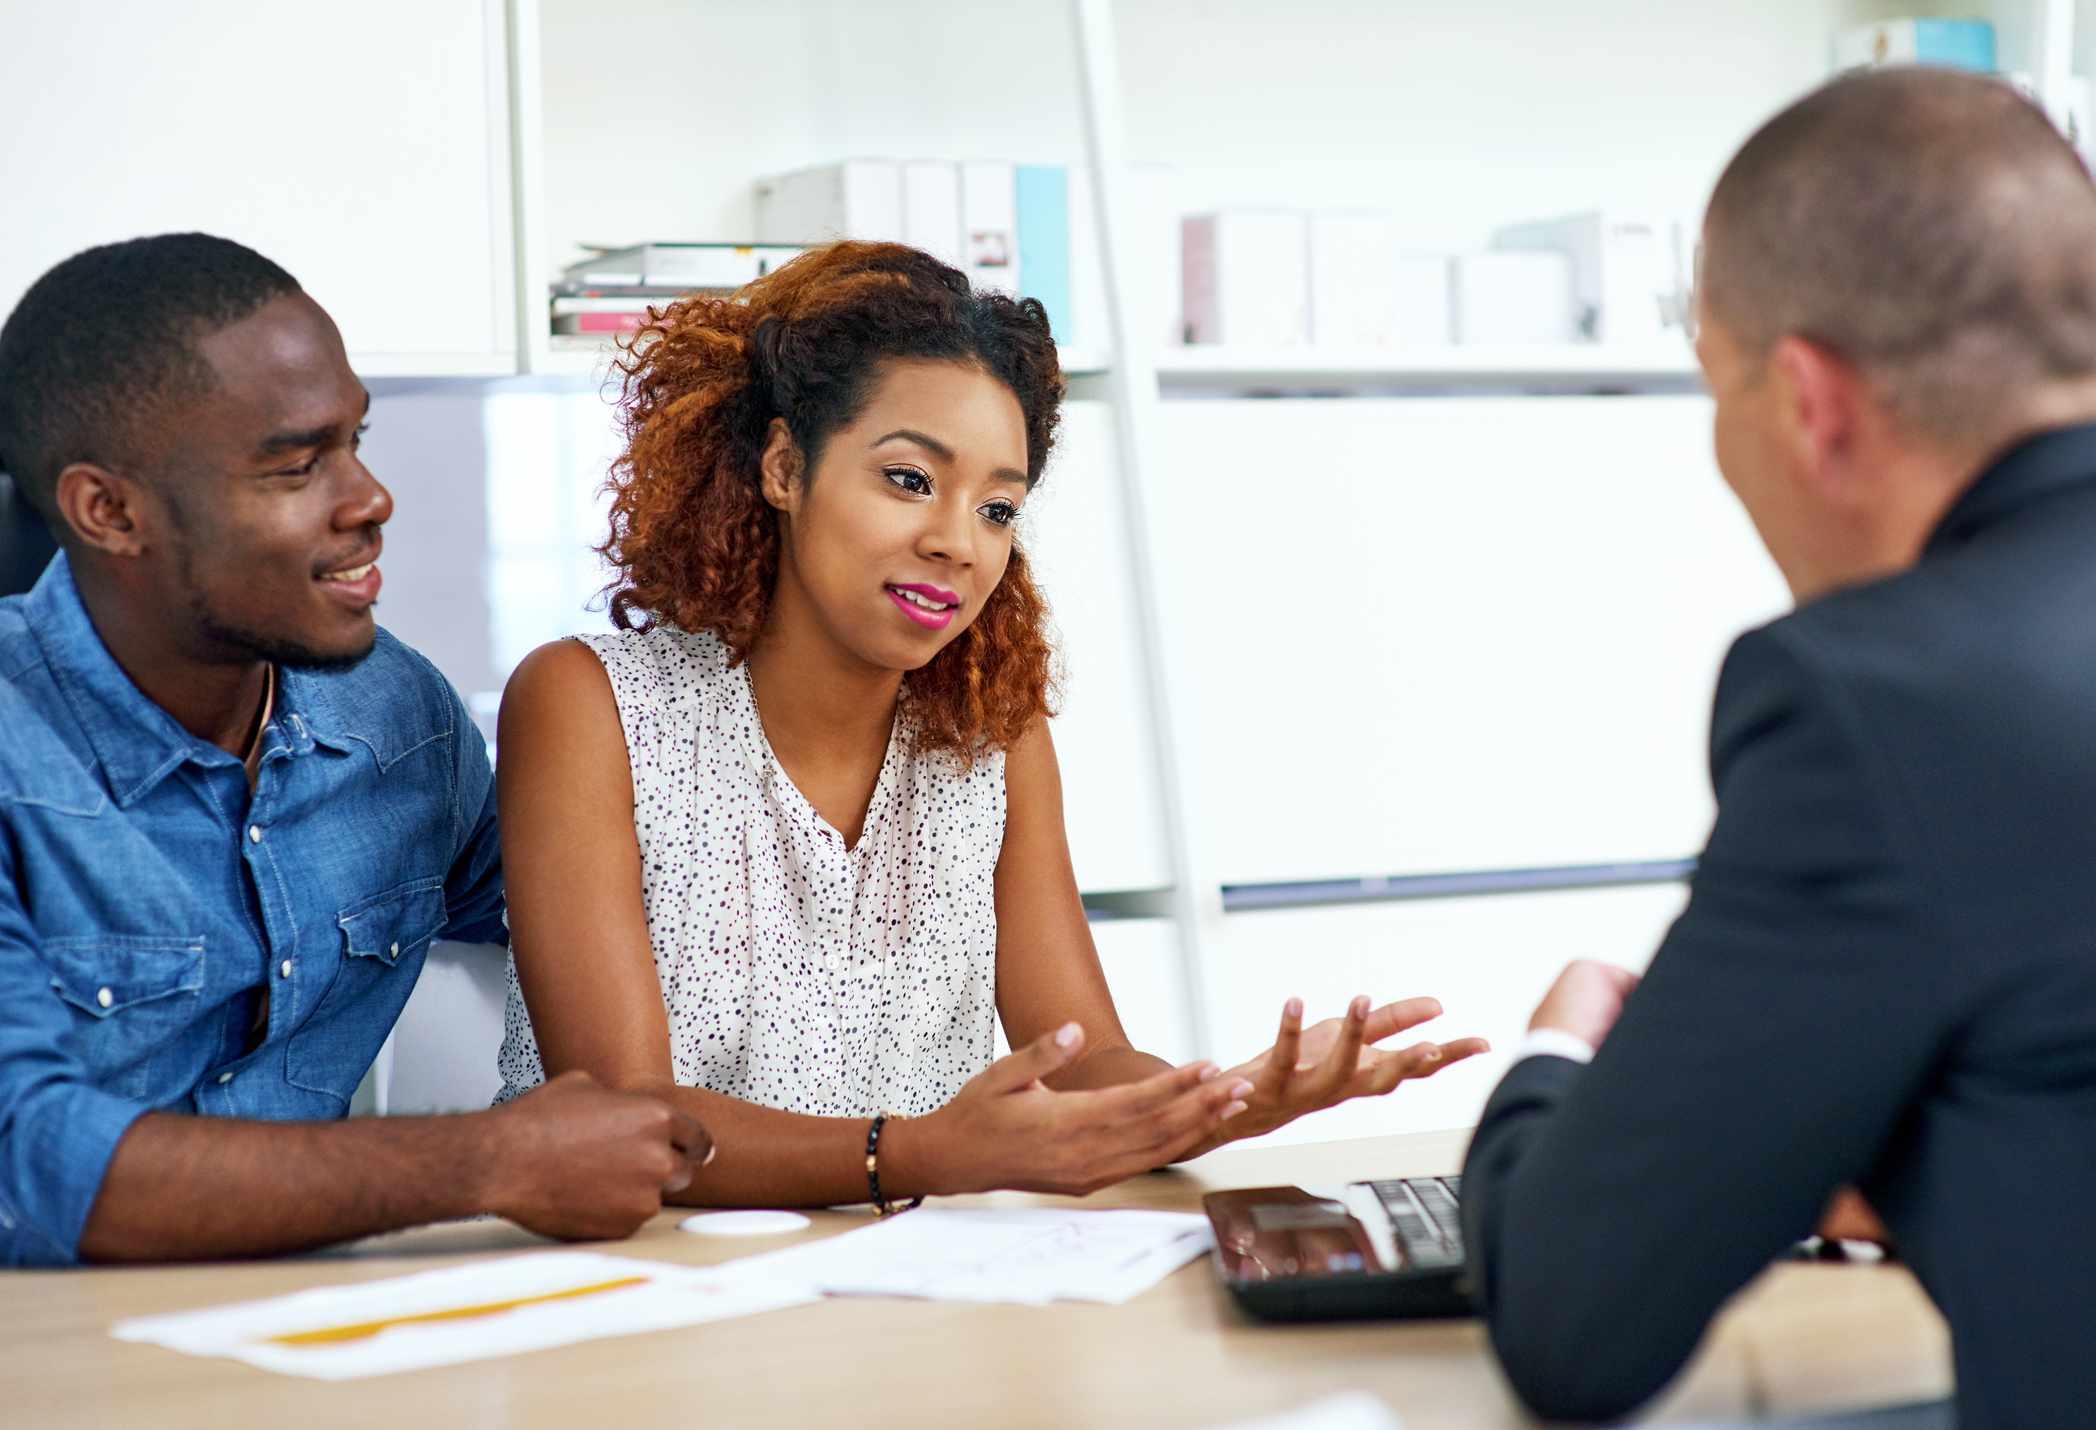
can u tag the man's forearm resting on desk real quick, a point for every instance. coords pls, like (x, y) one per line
(573, 1161)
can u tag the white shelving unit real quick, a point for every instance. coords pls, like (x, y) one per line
(1571, 368)
(566, 356)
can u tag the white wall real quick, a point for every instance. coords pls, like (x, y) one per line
(1489, 960)
(1461, 116)
(1464, 633)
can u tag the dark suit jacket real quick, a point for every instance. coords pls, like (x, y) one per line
(1886, 975)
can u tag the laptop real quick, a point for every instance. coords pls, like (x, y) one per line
(1380, 1249)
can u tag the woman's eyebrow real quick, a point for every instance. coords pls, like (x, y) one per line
(930, 444)
(945, 453)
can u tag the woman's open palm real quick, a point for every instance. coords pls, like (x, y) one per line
(1335, 1060)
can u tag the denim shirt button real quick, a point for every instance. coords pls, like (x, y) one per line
(104, 997)
(284, 969)
(224, 1078)
(254, 834)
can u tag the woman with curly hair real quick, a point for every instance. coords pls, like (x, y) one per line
(784, 846)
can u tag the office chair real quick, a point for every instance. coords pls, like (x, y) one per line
(26, 546)
(441, 1055)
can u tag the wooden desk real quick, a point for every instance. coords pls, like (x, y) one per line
(1802, 1338)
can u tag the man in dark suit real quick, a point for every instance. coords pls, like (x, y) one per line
(1886, 973)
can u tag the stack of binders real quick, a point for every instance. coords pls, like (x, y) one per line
(614, 289)
(1007, 226)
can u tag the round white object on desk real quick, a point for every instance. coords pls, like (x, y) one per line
(744, 1223)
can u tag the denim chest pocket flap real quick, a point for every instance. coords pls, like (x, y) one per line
(105, 974)
(397, 922)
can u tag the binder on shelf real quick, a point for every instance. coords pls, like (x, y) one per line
(1422, 284)
(1247, 278)
(1626, 289)
(1960, 44)
(858, 198)
(615, 320)
(597, 302)
(1353, 280)
(1089, 325)
(1041, 203)
(677, 267)
(931, 208)
(990, 226)
(1512, 299)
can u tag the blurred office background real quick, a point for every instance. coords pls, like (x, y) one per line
(1392, 603)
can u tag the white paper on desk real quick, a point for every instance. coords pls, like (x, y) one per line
(1350, 1410)
(1031, 1255)
(667, 1296)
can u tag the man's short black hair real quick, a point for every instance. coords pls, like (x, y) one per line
(102, 344)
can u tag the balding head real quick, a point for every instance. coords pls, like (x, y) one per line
(1928, 226)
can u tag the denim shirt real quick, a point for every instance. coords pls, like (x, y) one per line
(147, 898)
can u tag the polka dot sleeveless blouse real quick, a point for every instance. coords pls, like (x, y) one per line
(798, 974)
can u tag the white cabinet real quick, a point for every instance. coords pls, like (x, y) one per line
(367, 153)
(1455, 634)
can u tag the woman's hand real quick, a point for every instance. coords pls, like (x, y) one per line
(1006, 1130)
(1309, 1069)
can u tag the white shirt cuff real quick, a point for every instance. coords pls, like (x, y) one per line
(1554, 1043)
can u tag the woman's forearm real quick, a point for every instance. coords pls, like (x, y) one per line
(1108, 1067)
(767, 1158)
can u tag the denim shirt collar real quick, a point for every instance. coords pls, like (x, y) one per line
(137, 743)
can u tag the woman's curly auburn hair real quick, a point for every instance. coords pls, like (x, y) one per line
(692, 538)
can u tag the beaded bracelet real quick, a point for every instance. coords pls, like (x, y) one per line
(881, 1204)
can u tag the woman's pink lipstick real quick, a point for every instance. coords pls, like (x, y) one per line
(933, 607)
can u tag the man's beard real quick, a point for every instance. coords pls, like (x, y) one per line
(253, 645)
(237, 642)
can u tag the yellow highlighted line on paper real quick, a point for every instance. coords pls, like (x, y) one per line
(364, 1330)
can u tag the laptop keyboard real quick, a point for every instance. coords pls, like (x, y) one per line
(1423, 1218)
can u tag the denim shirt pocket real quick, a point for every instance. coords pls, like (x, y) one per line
(131, 998)
(383, 939)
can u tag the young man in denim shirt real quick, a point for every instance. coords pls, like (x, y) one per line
(234, 813)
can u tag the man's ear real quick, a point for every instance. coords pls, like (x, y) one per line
(1825, 406)
(779, 469)
(102, 509)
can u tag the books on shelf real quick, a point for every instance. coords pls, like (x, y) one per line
(931, 208)
(1353, 280)
(1423, 290)
(858, 198)
(1627, 283)
(990, 225)
(677, 267)
(1247, 278)
(1512, 299)
(612, 290)
(1007, 226)
(1041, 220)
(1345, 281)
(1961, 44)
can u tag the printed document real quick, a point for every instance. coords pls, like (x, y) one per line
(461, 1313)
(1030, 1255)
